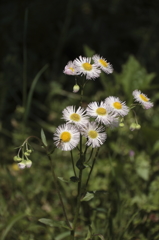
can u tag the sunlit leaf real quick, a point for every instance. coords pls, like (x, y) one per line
(53, 223)
(43, 137)
(87, 197)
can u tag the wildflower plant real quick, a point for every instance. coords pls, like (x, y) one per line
(83, 129)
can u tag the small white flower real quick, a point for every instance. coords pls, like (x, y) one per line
(143, 99)
(95, 134)
(84, 66)
(70, 69)
(66, 137)
(28, 163)
(102, 64)
(75, 116)
(22, 164)
(116, 106)
(101, 112)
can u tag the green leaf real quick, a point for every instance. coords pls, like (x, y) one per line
(62, 235)
(43, 137)
(142, 167)
(88, 51)
(63, 180)
(79, 163)
(74, 179)
(134, 76)
(89, 233)
(11, 223)
(53, 223)
(99, 235)
(87, 197)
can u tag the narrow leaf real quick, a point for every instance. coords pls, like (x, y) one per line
(11, 223)
(62, 179)
(53, 223)
(43, 137)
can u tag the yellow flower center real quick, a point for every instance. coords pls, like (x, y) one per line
(75, 117)
(87, 66)
(101, 111)
(92, 134)
(143, 98)
(117, 105)
(72, 69)
(104, 63)
(65, 137)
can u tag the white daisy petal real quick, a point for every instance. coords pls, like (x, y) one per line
(84, 67)
(77, 117)
(116, 106)
(66, 137)
(101, 113)
(143, 99)
(70, 69)
(95, 134)
(102, 64)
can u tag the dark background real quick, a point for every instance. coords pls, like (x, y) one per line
(35, 33)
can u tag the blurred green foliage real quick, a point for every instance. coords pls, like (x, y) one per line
(125, 180)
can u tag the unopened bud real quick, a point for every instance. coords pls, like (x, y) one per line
(76, 88)
(121, 124)
(28, 163)
(22, 164)
(29, 151)
(17, 159)
(27, 154)
(134, 126)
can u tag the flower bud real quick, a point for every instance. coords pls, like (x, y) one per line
(28, 163)
(27, 154)
(76, 88)
(17, 159)
(29, 151)
(22, 164)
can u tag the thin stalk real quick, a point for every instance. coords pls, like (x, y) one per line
(73, 165)
(58, 191)
(78, 196)
(25, 59)
(90, 155)
(54, 176)
(94, 160)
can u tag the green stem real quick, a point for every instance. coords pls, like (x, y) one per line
(94, 160)
(58, 191)
(73, 165)
(78, 196)
(54, 176)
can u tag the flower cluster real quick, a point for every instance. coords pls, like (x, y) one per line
(89, 122)
(90, 67)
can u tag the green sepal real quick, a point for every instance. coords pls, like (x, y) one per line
(53, 223)
(43, 137)
(74, 179)
(87, 197)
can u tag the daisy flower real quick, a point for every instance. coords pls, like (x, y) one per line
(66, 137)
(143, 99)
(95, 134)
(102, 64)
(84, 66)
(116, 106)
(101, 112)
(70, 69)
(75, 116)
